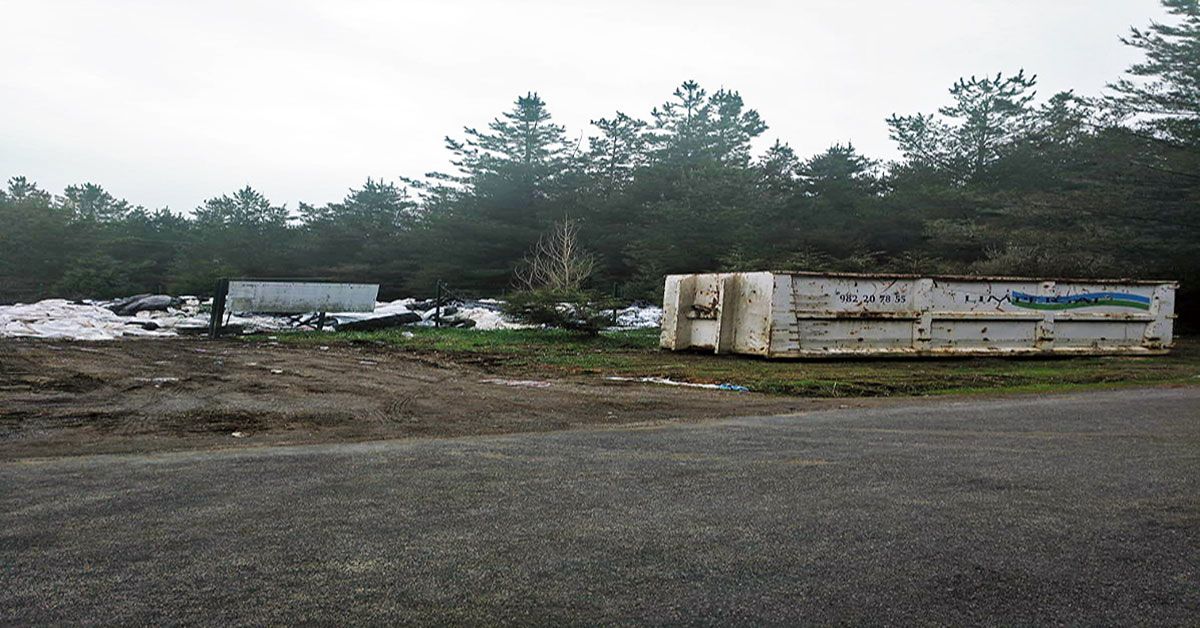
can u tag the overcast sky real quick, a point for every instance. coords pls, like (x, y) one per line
(168, 103)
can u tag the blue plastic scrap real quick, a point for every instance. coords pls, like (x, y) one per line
(735, 387)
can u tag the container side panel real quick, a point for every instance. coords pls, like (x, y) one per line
(784, 335)
(823, 335)
(704, 313)
(1040, 297)
(704, 334)
(982, 334)
(821, 295)
(813, 315)
(1100, 334)
(669, 336)
(1160, 332)
(727, 311)
(752, 302)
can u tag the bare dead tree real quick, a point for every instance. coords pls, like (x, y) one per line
(557, 262)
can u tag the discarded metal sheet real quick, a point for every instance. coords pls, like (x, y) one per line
(798, 314)
(294, 296)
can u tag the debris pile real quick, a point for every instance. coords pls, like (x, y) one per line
(640, 315)
(130, 306)
(156, 315)
(59, 318)
(480, 314)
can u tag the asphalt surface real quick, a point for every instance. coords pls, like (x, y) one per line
(1076, 509)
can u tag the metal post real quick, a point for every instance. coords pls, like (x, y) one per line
(616, 295)
(321, 322)
(218, 308)
(437, 314)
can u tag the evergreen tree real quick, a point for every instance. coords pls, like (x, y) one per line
(91, 203)
(1164, 89)
(523, 146)
(732, 128)
(680, 131)
(986, 117)
(481, 220)
(694, 127)
(244, 209)
(614, 156)
(838, 173)
(363, 237)
(239, 234)
(779, 170)
(33, 238)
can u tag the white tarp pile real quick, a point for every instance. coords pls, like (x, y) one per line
(93, 320)
(59, 318)
(96, 320)
(481, 314)
(639, 316)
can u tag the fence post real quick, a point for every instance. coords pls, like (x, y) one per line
(616, 295)
(218, 308)
(437, 313)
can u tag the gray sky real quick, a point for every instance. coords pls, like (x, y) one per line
(168, 103)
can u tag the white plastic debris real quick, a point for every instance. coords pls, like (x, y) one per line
(90, 320)
(157, 381)
(671, 382)
(382, 309)
(59, 318)
(518, 383)
(486, 318)
(639, 317)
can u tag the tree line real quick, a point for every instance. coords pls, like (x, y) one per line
(1000, 180)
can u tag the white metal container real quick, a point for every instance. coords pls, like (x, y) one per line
(800, 314)
(300, 296)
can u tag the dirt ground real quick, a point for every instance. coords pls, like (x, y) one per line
(65, 397)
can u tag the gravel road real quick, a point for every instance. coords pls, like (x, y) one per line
(1080, 509)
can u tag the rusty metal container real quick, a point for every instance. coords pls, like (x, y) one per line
(801, 314)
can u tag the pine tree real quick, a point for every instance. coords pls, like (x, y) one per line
(615, 154)
(522, 146)
(245, 208)
(987, 116)
(364, 236)
(694, 127)
(1164, 91)
(680, 132)
(34, 234)
(92, 203)
(242, 234)
(733, 128)
(510, 186)
(840, 171)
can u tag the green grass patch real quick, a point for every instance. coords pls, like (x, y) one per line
(531, 352)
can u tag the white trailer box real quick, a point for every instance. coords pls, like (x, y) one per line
(801, 314)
